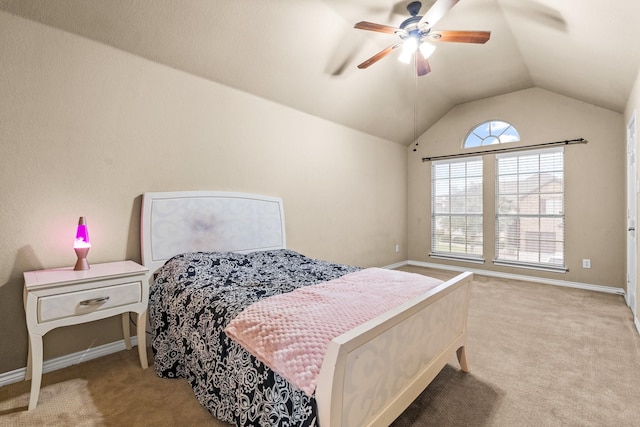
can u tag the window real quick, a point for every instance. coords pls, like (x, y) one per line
(456, 211)
(491, 132)
(530, 209)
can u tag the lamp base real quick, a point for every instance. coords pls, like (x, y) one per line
(82, 263)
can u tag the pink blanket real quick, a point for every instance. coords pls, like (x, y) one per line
(290, 332)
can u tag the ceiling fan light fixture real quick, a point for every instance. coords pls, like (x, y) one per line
(426, 49)
(409, 47)
(417, 29)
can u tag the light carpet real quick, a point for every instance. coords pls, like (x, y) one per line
(539, 355)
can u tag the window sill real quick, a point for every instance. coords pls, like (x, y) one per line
(474, 260)
(551, 268)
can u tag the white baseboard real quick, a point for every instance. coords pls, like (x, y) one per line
(396, 265)
(68, 360)
(578, 285)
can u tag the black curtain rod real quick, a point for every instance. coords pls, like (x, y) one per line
(499, 150)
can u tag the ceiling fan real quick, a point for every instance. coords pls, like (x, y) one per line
(416, 32)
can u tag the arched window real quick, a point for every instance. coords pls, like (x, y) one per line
(491, 132)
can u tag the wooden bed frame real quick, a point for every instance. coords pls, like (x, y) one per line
(370, 374)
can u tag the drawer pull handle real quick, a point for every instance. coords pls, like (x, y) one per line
(94, 301)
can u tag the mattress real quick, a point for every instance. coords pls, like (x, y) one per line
(193, 298)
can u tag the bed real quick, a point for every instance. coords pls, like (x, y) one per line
(214, 255)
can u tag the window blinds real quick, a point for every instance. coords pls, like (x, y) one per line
(530, 209)
(456, 219)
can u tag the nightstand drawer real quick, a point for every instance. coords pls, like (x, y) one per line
(83, 302)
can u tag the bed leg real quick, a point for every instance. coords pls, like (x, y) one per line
(462, 359)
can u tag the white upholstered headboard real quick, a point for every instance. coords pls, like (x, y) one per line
(189, 221)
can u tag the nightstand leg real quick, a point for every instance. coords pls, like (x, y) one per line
(142, 339)
(27, 374)
(126, 330)
(35, 342)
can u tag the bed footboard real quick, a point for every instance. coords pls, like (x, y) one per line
(372, 373)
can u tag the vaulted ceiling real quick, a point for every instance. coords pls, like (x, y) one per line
(303, 54)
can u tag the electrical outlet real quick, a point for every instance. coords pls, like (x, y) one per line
(586, 263)
(397, 247)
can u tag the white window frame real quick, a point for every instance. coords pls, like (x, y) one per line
(459, 204)
(530, 218)
(491, 132)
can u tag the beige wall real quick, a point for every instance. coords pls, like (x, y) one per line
(594, 179)
(633, 107)
(86, 129)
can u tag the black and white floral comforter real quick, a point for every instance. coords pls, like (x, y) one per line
(195, 296)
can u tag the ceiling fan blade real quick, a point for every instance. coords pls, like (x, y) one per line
(378, 56)
(436, 12)
(370, 26)
(460, 36)
(422, 64)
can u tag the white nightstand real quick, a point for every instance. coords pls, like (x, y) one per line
(63, 297)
